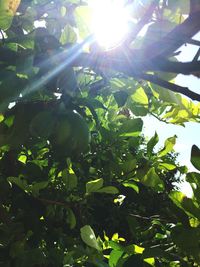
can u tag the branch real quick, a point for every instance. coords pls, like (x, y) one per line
(135, 69)
(144, 20)
(175, 39)
(170, 86)
(173, 66)
(132, 65)
(194, 42)
(196, 57)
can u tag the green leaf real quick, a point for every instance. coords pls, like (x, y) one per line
(132, 185)
(189, 206)
(169, 144)
(5, 20)
(94, 186)
(68, 35)
(131, 127)
(70, 179)
(91, 102)
(108, 190)
(151, 143)
(35, 188)
(88, 236)
(7, 11)
(152, 179)
(120, 98)
(71, 219)
(140, 96)
(195, 185)
(128, 166)
(195, 157)
(177, 197)
(1, 117)
(187, 239)
(185, 203)
(19, 181)
(137, 109)
(22, 158)
(167, 166)
(114, 257)
(83, 16)
(67, 82)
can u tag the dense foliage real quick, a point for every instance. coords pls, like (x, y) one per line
(79, 183)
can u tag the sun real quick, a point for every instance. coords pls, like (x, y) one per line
(109, 22)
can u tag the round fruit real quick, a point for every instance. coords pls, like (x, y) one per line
(71, 134)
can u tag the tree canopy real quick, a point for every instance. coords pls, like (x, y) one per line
(80, 185)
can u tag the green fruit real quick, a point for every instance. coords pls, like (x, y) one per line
(71, 134)
(7, 11)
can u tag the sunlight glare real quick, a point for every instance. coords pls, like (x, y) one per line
(109, 22)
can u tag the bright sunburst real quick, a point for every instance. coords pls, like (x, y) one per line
(109, 22)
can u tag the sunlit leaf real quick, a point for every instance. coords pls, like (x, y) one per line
(108, 190)
(93, 186)
(132, 185)
(114, 257)
(83, 18)
(167, 166)
(153, 180)
(68, 35)
(169, 144)
(70, 179)
(140, 96)
(151, 143)
(131, 127)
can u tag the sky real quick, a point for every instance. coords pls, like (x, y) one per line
(188, 135)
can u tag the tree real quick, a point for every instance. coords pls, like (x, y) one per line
(79, 186)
